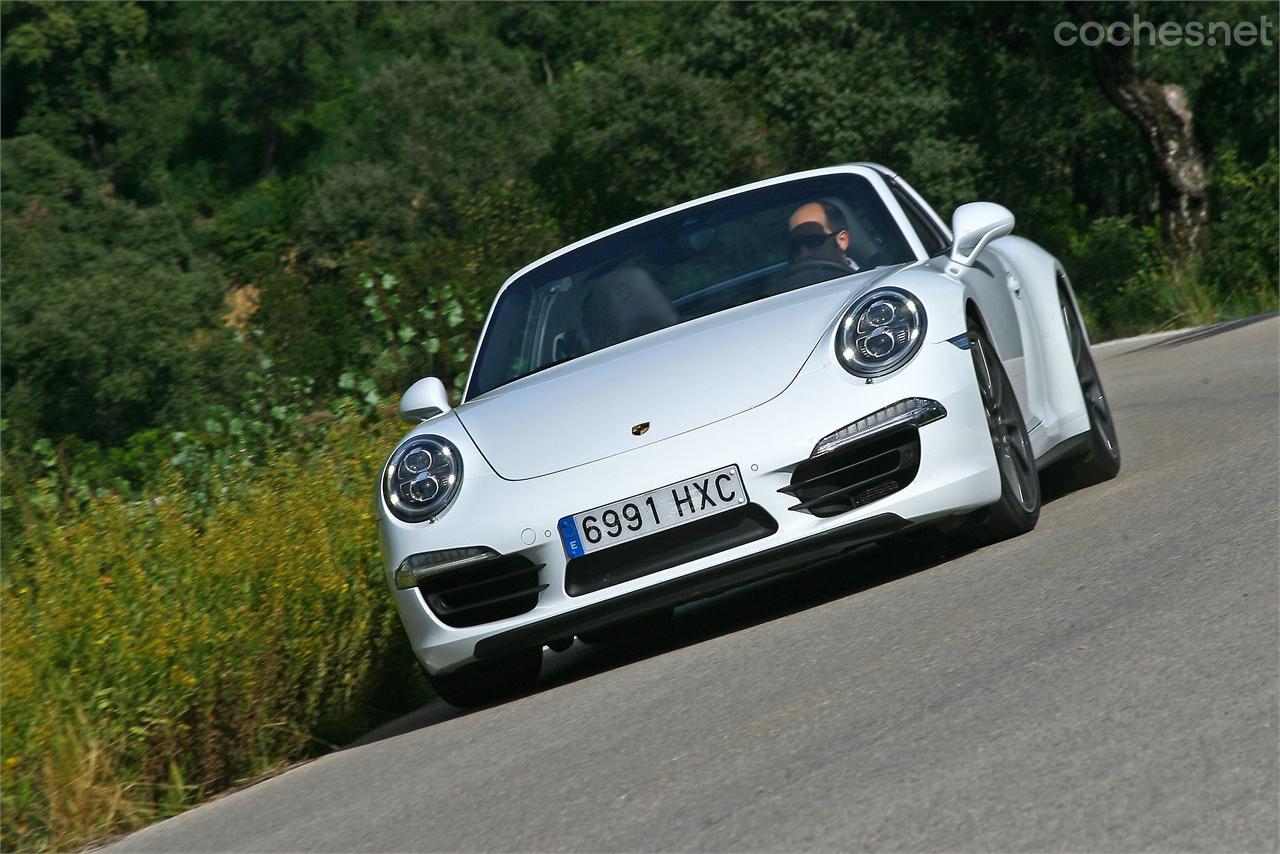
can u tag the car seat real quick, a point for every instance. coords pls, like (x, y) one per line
(623, 304)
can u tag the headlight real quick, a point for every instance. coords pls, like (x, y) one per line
(881, 332)
(422, 477)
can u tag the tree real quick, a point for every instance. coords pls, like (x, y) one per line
(640, 136)
(425, 130)
(60, 58)
(1162, 111)
(108, 318)
(835, 83)
(259, 66)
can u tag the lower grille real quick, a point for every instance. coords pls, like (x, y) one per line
(503, 586)
(666, 549)
(856, 474)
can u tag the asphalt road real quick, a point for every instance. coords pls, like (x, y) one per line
(1107, 682)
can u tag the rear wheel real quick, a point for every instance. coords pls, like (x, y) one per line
(486, 681)
(1101, 460)
(1018, 509)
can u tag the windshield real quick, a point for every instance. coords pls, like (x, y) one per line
(686, 265)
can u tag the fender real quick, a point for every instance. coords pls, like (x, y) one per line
(1051, 373)
(943, 299)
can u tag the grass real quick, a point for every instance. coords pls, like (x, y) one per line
(151, 659)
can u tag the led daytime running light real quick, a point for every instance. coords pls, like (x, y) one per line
(916, 411)
(413, 568)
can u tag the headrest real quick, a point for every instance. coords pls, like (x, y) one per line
(623, 304)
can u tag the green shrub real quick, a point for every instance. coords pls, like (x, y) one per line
(109, 320)
(1243, 259)
(640, 136)
(152, 657)
(1113, 267)
(1128, 286)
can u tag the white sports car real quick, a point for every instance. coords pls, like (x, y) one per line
(725, 389)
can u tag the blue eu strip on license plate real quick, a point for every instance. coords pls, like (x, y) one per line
(569, 536)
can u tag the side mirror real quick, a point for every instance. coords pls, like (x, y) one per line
(975, 225)
(425, 399)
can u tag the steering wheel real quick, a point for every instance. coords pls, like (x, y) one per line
(807, 271)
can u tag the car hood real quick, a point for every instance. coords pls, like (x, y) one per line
(673, 380)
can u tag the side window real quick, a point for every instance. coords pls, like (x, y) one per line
(935, 242)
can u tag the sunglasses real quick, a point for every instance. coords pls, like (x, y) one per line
(810, 241)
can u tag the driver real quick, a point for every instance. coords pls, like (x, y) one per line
(818, 230)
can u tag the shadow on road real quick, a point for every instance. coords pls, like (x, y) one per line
(769, 599)
(1193, 335)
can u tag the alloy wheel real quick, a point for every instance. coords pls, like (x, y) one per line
(1008, 433)
(1095, 399)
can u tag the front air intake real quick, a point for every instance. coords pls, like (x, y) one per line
(484, 591)
(856, 473)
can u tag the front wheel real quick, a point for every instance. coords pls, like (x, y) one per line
(1018, 509)
(483, 682)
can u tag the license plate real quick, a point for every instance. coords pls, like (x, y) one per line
(643, 514)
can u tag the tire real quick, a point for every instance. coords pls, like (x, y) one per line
(484, 682)
(1018, 509)
(1101, 459)
(637, 628)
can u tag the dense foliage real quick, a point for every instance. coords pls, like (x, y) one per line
(232, 233)
(151, 658)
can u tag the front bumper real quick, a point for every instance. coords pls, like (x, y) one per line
(956, 473)
(686, 588)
